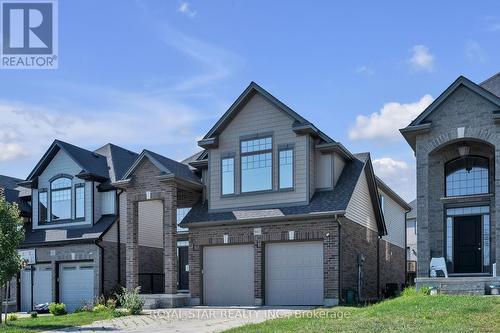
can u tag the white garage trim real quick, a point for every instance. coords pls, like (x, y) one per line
(76, 284)
(228, 275)
(294, 273)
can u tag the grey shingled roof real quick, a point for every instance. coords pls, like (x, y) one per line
(322, 201)
(9, 182)
(413, 213)
(176, 168)
(119, 160)
(65, 234)
(492, 84)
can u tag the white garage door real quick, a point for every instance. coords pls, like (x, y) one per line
(294, 273)
(228, 275)
(76, 284)
(42, 286)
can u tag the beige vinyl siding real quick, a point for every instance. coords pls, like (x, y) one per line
(151, 223)
(394, 216)
(324, 170)
(62, 164)
(258, 116)
(338, 165)
(360, 208)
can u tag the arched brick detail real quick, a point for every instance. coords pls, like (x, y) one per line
(450, 136)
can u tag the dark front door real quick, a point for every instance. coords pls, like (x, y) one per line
(467, 244)
(183, 268)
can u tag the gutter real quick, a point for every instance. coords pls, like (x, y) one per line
(378, 266)
(320, 215)
(340, 260)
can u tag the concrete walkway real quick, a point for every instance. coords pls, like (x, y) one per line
(196, 320)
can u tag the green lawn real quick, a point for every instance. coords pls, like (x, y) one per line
(415, 313)
(45, 323)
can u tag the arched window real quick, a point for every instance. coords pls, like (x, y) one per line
(467, 176)
(60, 199)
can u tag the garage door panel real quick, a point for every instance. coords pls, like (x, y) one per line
(294, 273)
(228, 275)
(76, 284)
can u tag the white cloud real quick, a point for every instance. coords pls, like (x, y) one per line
(421, 58)
(385, 124)
(399, 175)
(124, 118)
(186, 9)
(474, 52)
(365, 70)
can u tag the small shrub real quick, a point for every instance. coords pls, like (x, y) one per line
(111, 304)
(100, 308)
(57, 309)
(12, 317)
(34, 314)
(100, 300)
(85, 308)
(131, 300)
(117, 313)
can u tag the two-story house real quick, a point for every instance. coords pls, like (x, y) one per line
(456, 141)
(279, 214)
(70, 247)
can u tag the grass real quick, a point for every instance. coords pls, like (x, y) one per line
(45, 323)
(412, 312)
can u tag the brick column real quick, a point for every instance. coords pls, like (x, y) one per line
(170, 238)
(258, 271)
(132, 245)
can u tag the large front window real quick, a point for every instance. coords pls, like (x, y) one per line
(256, 165)
(467, 176)
(60, 195)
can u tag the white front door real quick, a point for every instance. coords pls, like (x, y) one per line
(76, 285)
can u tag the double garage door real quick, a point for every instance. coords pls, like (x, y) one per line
(76, 285)
(293, 274)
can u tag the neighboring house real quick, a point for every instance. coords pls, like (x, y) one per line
(281, 215)
(394, 209)
(456, 142)
(13, 193)
(70, 243)
(411, 243)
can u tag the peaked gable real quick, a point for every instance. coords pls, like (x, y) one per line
(165, 165)
(461, 81)
(301, 124)
(91, 164)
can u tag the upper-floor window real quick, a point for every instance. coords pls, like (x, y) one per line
(42, 205)
(382, 203)
(227, 175)
(60, 199)
(80, 201)
(286, 168)
(256, 165)
(467, 176)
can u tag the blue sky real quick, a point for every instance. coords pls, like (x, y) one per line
(158, 74)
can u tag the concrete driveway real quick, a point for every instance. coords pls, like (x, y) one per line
(195, 319)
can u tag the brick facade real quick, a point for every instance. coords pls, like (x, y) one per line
(462, 109)
(147, 184)
(326, 230)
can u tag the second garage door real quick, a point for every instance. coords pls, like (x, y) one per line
(294, 273)
(228, 275)
(76, 284)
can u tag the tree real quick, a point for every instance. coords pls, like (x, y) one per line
(11, 236)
